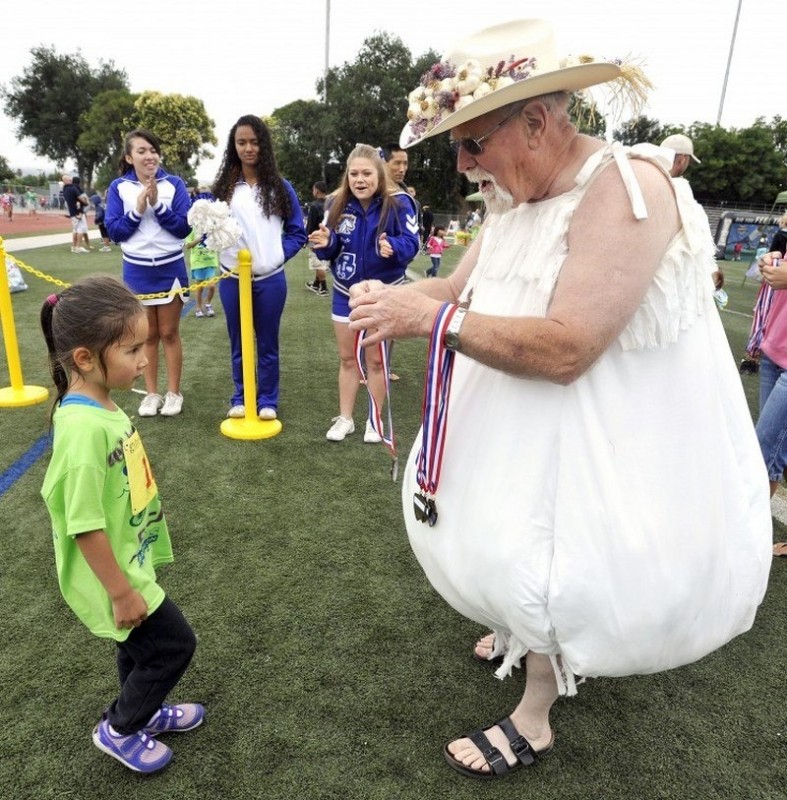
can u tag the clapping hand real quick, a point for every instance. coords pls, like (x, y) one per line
(149, 194)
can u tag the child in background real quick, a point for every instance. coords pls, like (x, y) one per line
(109, 529)
(203, 261)
(98, 205)
(204, 264)
(435, 245)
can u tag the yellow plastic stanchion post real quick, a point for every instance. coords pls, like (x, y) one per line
(17, 394)
(250, 426)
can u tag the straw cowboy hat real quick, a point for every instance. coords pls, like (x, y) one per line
(495, 67)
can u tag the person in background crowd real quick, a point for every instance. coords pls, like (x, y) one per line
(683, 148)
(428, 224)
(319, 285)
(435, 246)
(71, 193)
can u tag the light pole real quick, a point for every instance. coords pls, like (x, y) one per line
(729, 61)
(325, 78)
(327, 50)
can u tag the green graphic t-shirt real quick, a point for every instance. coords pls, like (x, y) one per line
(87, 488)
(201, 257)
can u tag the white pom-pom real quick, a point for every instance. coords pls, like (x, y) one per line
(199, 215)
(224, 234)
(212, 219)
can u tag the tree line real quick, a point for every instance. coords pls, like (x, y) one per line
(74, 111)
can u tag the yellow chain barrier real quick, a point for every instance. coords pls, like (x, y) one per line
(152, 296)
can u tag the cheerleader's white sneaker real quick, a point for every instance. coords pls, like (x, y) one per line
(371, 436)
(173, 405)
(150, 405)
(341, 427)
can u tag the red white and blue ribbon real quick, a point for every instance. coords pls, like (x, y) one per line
(437, 386)
(761, 308)
(375, 412)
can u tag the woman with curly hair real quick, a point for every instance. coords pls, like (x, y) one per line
(269, 215)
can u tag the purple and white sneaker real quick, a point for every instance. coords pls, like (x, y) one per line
(175, 719)
(138, 751)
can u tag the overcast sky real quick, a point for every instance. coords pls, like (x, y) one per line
(252, 56)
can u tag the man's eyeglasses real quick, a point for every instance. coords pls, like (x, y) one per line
(474, 147)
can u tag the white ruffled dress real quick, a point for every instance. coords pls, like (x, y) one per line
(622, 521)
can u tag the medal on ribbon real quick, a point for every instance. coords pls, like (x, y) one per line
(437, 387)
(375, 413)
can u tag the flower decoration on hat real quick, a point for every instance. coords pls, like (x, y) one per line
(479, 75)
(212, 219)
(446, 88)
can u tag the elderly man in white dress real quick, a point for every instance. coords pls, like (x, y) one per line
(587, 482)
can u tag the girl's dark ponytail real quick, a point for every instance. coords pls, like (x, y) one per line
(59, 375)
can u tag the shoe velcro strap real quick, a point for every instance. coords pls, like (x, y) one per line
(497, 763)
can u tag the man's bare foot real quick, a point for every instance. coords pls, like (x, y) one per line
(484, 647)
(465, 752)
(780, 549)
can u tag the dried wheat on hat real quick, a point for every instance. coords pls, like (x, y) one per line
(502, 65)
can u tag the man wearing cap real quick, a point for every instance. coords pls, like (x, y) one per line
(587, 482)
(683, 148)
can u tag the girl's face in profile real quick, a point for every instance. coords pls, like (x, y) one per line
(246, 145)
(143, 157)
(126, 360)
(363, 178)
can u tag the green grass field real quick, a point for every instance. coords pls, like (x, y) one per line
(328, 666)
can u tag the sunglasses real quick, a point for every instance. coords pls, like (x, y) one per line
(474, 147)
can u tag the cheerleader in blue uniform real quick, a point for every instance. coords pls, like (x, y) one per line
(146, 213)
(371, 232)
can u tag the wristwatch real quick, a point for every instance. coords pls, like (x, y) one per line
(451, 338)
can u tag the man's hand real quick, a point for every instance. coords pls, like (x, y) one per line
(390, 312)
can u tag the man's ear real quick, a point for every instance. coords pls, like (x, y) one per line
(535, 115)
(84, 359)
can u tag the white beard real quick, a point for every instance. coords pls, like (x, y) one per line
(497, 201)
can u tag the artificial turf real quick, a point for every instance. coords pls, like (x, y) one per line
(328, 666)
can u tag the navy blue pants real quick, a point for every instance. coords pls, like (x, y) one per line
(267, 305)
(150, 663)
